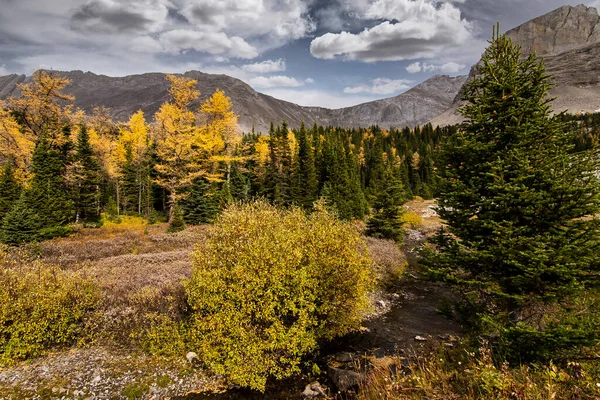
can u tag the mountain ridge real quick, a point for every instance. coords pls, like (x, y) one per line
(568, 40)
(123, 96)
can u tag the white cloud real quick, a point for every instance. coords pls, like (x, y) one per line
(319, 98)
(266, 66)
(414, 68)
(280, 21)
(411, 29)
(216, 43)
(309, 80)
(264, 82)
(380, 86)
(447, 68)
(3, 70)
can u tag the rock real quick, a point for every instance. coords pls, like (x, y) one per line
(313, 390)
(191, 356)
(568, 39)
(420, 338)
(343, 379)
(343, 357)
(96, 380)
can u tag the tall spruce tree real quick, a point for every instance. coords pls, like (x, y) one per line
(306, 169)
(521, 238)
(202, 203)
(44, 210)
(87, 184)
(386, 221)
(9, 189)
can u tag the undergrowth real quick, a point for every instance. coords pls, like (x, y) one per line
(40, 306)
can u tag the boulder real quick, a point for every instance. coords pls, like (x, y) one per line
(344, 379)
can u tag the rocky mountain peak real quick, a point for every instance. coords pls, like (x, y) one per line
(564, 29)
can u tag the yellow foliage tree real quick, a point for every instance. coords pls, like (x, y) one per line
(15, 144)
(135, 136)
(180, 146)
(221, 130)
(42, 108)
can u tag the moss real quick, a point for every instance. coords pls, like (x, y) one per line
(135, 390)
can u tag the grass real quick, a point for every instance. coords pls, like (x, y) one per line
(460, 374)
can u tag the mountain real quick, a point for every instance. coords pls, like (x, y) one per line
(568, 39)
(125, 95)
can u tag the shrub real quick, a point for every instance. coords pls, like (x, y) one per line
(412, 219)
(269, 284)
(40, 306)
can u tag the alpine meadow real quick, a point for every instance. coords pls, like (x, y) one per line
(185, 236)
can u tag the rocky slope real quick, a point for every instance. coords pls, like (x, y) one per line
(125, 95)
(568, 39)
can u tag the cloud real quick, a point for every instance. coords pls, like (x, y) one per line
(112, 15)
(380, 86)
(309, 80)
(266, 66)
(447, 68)
(3, 70)
(410, 30)
(280, 20)
(232, 28)
(215, 43)
(263, 82)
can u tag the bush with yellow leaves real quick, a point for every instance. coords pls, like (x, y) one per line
(40, 307)
(412, 219)
(269, 284)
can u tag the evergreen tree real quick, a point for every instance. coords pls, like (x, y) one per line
(201, 204)
(386, 222)
(87, 185)
(306, 169)
(44, 210)
(47, 194)
(521, 241)
(129, 182)
(177, 222)
(21, 224)
(9, 189)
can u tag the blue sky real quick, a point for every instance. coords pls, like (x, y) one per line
(330, 53)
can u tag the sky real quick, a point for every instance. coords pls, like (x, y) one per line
(329, 53)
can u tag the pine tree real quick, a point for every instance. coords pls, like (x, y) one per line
(44, 210)
(521, 240)
(306, 169)
(10, 189)
(386, 222)
(130, 186)
(21, 224)
(87, 185)
(201, 204)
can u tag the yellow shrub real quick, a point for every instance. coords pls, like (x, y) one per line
(412, 219)
(40, 306)
(269, 284)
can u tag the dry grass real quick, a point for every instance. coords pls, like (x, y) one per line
(458, 374)
(389, 261)
(139, 269)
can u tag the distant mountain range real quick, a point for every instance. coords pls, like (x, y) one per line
(568, 39)
(125, 95)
